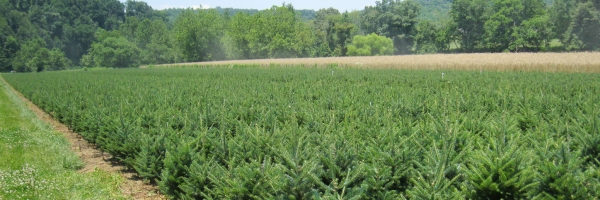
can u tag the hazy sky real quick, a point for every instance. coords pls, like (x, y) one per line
(341, 5)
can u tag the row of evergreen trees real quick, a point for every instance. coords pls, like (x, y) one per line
(297, 133)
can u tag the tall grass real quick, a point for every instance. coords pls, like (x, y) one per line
(541, 62)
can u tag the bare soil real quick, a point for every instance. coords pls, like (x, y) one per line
(132, 186)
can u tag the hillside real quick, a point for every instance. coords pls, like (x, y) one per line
(438, 9)
(434, 9)
(173, 13)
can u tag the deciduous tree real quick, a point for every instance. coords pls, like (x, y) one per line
(371, 45)
(113, 51)
(394, 19)
(431, 38)
(31, 57)
(198, 36)
(10, 47)
(515, 23)
(585, 28)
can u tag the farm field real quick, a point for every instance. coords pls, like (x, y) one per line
(338, 133)
(539, 62)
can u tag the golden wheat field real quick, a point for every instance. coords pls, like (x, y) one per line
(544, 62)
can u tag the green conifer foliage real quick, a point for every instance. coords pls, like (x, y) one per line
(298, 133)
(503, 171)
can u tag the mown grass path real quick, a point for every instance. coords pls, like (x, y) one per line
(37, 162)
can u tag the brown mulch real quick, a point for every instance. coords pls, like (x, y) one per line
(132, 186)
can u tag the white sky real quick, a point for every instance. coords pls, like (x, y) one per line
(342, 5)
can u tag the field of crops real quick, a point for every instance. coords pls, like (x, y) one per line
(335, 133)
(537, 62)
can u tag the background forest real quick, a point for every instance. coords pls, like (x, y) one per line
(43, 35)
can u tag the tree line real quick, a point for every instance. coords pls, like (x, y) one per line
(61, 34)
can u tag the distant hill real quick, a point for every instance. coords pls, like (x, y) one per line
(438, 9)
(434, 10)
(173, 13)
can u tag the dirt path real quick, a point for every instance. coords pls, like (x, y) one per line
(93, 158)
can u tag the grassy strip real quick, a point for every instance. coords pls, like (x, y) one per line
(37, 162)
